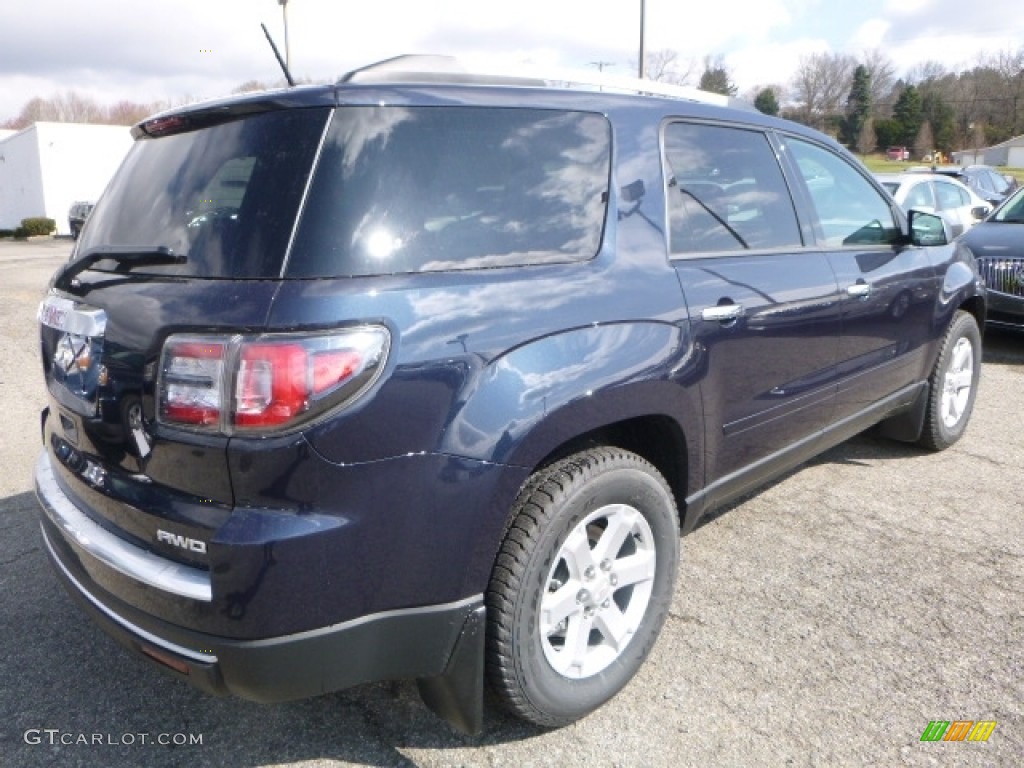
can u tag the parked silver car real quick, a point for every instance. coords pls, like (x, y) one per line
(933, 193)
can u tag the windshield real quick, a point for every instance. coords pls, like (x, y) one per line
(1012, 210)
(224, 198)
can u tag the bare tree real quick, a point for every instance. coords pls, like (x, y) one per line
(249, 86)
(924, 143)
(820, 84)
(665, 66)
(883, 76)
(867, 140)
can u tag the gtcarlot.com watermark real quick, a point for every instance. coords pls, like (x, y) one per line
(57, 737)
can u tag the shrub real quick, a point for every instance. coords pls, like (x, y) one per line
(6, 233)
(36, 225)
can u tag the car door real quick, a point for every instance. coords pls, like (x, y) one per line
(764, 307)
(888, 288)
(954, 205)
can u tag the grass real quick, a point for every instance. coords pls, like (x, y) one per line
(881, 164)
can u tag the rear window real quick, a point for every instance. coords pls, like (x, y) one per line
(412, 189)
(225, 196)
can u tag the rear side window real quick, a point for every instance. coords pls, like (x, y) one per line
(950, 196)
(224, 196)
(413, 189)
(726, 191)
(920, 196)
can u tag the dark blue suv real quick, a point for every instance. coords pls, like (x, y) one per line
(422, 375)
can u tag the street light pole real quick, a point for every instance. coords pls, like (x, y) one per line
(287, 48)
(643, 23)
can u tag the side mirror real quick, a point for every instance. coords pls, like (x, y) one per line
(927, 229)
(980, 212)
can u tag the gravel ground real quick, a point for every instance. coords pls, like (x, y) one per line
(824, 621)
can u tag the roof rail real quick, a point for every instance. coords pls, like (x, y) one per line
(426, 68)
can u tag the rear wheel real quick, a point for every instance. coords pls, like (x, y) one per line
(581, 585)
(953, 384)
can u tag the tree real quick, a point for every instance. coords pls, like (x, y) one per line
(664, 66)
(767, 102)
(887, 133)
(924, 142)
(940, 116)
(858, 106)
(818, 86)
(882, 72)
(867, 140)
(716, 77)
(908, 114)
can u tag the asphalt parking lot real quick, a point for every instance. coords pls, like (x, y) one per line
(824, 621)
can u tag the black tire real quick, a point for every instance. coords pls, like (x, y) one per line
(953, 384)
(535, 576)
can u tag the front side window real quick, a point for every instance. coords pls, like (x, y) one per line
(851, 212)
(420, 189)
(725, 191)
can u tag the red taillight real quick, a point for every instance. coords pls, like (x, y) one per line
(271, 381)
(192, 373)
(272, 384)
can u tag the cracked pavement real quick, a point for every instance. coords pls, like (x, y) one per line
(822, 621)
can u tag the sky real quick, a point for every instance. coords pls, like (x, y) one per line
(184, 50)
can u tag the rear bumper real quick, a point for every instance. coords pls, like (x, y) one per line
(420, 642)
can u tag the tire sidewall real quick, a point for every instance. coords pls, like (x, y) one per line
(564, 698)
(964, 327)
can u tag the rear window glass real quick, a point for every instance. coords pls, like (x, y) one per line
(411, 189)
(225, 197)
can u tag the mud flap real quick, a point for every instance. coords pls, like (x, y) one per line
(457, 695)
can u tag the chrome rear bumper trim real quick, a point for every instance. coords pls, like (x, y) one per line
(205, 658)
(125, 558)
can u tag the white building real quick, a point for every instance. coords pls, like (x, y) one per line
(1009, 153)
(48, 166)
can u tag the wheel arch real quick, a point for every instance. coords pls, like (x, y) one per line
(656, 438)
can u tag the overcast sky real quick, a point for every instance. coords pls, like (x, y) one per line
(186, 49)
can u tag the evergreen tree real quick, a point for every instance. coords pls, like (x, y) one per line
(716, 77)
(767, 102)
(909, 115)
(858, 107)
(941, 116)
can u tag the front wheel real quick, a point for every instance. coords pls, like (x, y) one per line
(581, 586)
(953, 384)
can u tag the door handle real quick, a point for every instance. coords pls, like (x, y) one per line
(859, 290)
(723, 313)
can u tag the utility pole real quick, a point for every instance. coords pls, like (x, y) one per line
(602, 64)
(643, 23)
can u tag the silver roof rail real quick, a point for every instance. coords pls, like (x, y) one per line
(425, 69)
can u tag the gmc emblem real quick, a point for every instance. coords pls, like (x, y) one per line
(182, 542)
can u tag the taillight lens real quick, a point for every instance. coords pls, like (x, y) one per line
(267, 382)
(193, 370)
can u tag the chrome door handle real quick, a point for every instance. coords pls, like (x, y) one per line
(723, 313)
(859, 290)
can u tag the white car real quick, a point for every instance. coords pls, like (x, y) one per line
(933, 193)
